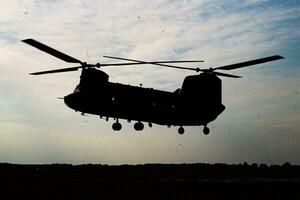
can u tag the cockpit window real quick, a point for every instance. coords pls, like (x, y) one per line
(77, 89)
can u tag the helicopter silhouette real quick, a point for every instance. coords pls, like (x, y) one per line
(197, 103)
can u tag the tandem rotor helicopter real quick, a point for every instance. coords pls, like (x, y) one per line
(196, 103)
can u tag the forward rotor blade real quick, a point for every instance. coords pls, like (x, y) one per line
(70, 69)
(155, 63)
(250, 62)
(51, 51)
(226, 75)
(179, 61)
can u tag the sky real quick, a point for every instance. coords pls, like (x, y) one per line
(261, 123)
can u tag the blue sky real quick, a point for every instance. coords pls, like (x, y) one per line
(261, 122)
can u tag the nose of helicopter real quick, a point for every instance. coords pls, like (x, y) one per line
(69, 100)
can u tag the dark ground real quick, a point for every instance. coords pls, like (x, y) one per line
(150, 181)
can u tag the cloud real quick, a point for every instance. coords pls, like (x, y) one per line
(219, 32)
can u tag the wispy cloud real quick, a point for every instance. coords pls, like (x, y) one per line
(220, 32)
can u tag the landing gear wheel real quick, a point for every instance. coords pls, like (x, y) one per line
(181, 130)
(116, 126)
(138, 126)
(206, 130)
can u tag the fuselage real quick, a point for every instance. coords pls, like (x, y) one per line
(191, 105)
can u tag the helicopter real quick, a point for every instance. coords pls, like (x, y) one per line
(197, 103)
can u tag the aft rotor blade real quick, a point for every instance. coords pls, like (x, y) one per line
(121, 64)
(250, 62)
(70, 69)
(51, 51)
(226, 75)
(154, 63)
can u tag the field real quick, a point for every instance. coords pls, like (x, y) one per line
(150, 181)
